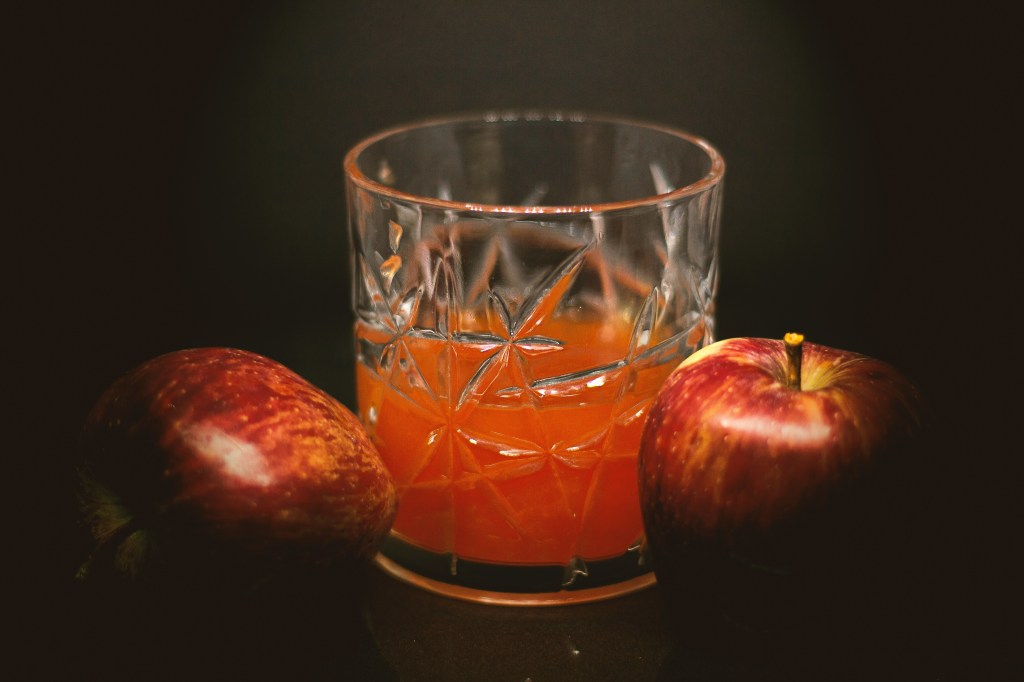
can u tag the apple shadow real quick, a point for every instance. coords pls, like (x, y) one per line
(304, 626)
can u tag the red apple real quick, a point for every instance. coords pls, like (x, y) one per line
(220, 462)
(771, 476)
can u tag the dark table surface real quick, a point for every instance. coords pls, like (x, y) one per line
(377, 628)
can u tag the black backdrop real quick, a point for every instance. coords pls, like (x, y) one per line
(184, 188)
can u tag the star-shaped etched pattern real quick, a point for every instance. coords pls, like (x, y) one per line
(508, 403)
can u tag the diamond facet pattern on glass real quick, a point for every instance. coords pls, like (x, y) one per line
(505, 368)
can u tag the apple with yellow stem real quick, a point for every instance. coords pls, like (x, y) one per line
(770, 477)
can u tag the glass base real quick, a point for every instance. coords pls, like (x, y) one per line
(578, 583)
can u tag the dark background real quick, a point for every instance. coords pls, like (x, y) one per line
(179, 184)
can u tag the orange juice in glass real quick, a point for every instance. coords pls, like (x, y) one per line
(523, 285)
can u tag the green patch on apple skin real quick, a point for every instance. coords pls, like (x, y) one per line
(133, 553)
(121, 545)
(697, 355)
(102, 510)
(122, 551)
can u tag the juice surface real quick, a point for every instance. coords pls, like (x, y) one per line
(513, 448)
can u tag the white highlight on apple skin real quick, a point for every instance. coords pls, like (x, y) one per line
(242, 460)
(765, 427)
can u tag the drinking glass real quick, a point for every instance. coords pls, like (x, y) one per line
(523, 284)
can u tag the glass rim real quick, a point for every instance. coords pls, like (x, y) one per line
(713, 177)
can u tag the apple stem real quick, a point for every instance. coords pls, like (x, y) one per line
(794, 356)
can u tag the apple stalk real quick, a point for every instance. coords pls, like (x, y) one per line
(794, 357)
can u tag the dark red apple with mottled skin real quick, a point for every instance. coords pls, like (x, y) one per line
(218, 462)
(770, 480)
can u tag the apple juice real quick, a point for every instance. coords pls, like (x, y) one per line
(512, 449)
